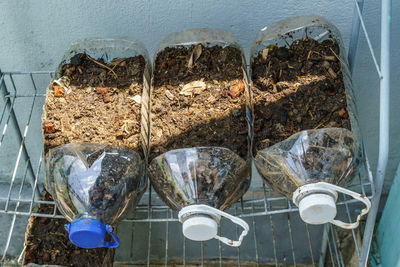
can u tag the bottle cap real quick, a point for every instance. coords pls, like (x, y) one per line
(87, 233)
(200, 228)
(317, 208)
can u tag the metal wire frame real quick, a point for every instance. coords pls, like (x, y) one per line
(384, 75)
(19, 206)
(269, 228)
(151, 210)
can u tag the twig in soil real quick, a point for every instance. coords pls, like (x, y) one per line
(326, 120)
(60, 82)
(337, 56)
(311, 115)
(119, 62)
(309, 54)
(102, 65)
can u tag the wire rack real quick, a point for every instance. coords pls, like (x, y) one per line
(277, 235)
(273, 218)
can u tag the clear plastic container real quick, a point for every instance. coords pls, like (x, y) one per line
(93, 186)
(319, 161)
(96, 178)
(107, 48)
(200, 179)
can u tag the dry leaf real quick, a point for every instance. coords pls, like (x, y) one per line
(102, 90)
(237, 89)
(137, 99)
(58, 91)
(196, 53)
(211, 99)
(332, 73)
(169, 94)
(106, 98)
(193, 88)
(343, 113)
(49, 127)
(326, 64)
(264, 53)
(330, 58)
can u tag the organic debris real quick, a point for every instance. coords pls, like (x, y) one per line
(300, 87)
(47, 242)
(96, 103)
(198, 99)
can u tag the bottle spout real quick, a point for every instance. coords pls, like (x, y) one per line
(88, 233)
(200, 228)
(200, 223)
(317, 204)
(317, 208)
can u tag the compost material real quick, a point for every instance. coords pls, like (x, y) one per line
(47, 243)
(297, 88)
(198, 99)
(95, 102)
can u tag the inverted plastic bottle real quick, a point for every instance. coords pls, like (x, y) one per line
(202, 180)
(201, 183)
(311, 168)
(93, 186)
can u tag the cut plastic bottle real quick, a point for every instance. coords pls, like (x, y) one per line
(96, 135)
(312, 166)
(202, 181)
(93, 186)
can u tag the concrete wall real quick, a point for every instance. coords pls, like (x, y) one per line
(34, 35)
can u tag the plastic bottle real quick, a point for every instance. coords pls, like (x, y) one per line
(312, 166)
(93, 186)
(202, 181)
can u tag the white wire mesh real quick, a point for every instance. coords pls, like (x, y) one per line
(277, 236)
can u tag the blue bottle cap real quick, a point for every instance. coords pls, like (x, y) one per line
(86, 233)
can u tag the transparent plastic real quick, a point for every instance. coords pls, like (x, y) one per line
(285, 172)
(202, 177)
(329, 155)
(94, 181)
(212, 175)
(75, 171)
(109, 49)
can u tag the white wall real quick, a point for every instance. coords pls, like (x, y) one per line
(34, 35)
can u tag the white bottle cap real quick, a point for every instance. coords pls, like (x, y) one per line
(200, 228)
(317, 208)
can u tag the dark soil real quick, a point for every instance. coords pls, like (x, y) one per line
(47, 243)
(83, 70)
(297, 88)
(203, 104)
(98, 103)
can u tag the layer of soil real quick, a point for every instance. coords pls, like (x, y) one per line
(98, 102)
(297, 88)
(198, 99)
(47, 243)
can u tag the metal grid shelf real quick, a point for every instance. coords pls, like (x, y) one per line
(260, 207)
(277, 235)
